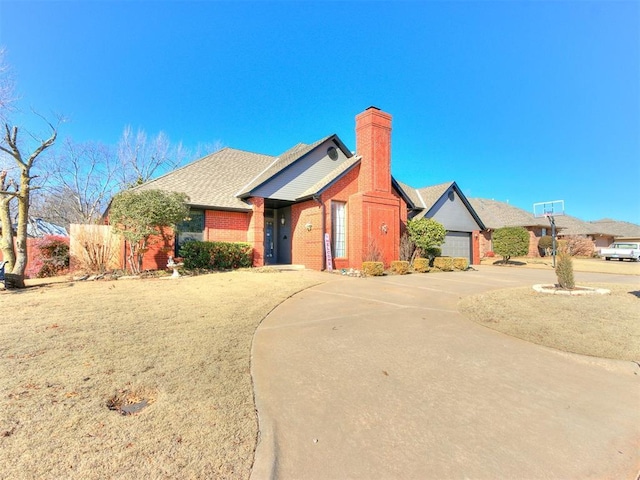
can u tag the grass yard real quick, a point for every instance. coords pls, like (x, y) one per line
(595, 265)
(605, 326)
(67, 350)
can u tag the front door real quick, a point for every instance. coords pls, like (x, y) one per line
(269, 239)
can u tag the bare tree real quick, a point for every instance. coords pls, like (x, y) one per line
(7, 87)
(141, 158)
(82, 179)
(8, 191)
(10, 146)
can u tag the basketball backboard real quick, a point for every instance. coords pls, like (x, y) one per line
(552, 208)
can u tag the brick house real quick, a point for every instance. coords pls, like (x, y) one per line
(287, 206)
(497, 214)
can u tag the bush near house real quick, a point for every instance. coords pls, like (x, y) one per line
(443, 263)
(51, 257)
(400, 267)
(375, 269)
(421, 265)
(545, 245)
(580, 246)
(511, 242)
(460, 263)
(216, 255)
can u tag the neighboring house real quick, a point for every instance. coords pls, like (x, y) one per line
(497, 214)
(286, 206)
(616, 230)
(447, 204)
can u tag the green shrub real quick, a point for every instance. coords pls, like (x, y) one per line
(421, 265)
(216, 255)
(564, 271)
(545, 244)
(433, 252)
(443, 263)
(511, 242)
(460, 263)
(375, 269)
(400, 267)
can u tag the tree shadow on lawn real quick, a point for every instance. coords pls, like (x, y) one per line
(509, 262)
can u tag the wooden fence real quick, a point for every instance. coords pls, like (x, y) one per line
(94, 248)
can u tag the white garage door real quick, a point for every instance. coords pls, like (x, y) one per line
(457, 244)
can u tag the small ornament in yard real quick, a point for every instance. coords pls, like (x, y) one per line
(171, 264)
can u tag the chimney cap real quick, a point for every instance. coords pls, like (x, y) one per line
(373, 107)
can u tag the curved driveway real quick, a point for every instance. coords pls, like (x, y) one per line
(382, 378)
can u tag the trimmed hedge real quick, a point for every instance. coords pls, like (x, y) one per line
(443, 263)
(400, 267)
(421, 265)
(375, 269)
(216, 255)
(460, 263)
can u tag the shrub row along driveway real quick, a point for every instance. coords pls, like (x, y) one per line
(383, 378)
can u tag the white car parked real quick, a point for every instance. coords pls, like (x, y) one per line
(622, 250)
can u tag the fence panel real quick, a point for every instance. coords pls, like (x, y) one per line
(95, 248)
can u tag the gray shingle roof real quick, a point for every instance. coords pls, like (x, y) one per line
(617, 228)
(214, 180)
(412, 193)
(569, 225)
(496, 214)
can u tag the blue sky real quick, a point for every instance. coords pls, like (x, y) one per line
(515, 101)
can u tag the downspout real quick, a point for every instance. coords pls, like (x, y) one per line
(324, 230)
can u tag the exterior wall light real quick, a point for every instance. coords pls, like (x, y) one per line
(282, 219)
(308, 227)
(384, 228)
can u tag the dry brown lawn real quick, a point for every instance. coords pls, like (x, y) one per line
(594, 265)
(606, 326)
(68, 350)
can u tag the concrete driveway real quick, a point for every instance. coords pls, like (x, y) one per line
(382, 378)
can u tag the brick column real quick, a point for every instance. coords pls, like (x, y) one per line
(255, 234)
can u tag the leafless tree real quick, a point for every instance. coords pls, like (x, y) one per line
(81, 181)
(7, 87)
(21, 191)
(142, 158)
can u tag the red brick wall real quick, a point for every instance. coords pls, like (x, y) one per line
(226, 226)
(255, 232)
(307, 244)
(485, 243)
(373, 143)
(160, 247)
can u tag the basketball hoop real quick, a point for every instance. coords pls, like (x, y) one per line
(550, 210)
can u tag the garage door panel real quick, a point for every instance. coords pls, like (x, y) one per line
(457, 244)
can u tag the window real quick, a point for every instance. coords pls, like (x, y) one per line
(339, 229)
(192, 228)
(544, 232)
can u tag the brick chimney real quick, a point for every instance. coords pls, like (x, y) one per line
(373, 143)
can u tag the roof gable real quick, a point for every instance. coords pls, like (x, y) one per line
(301, 169)
(447, 200)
